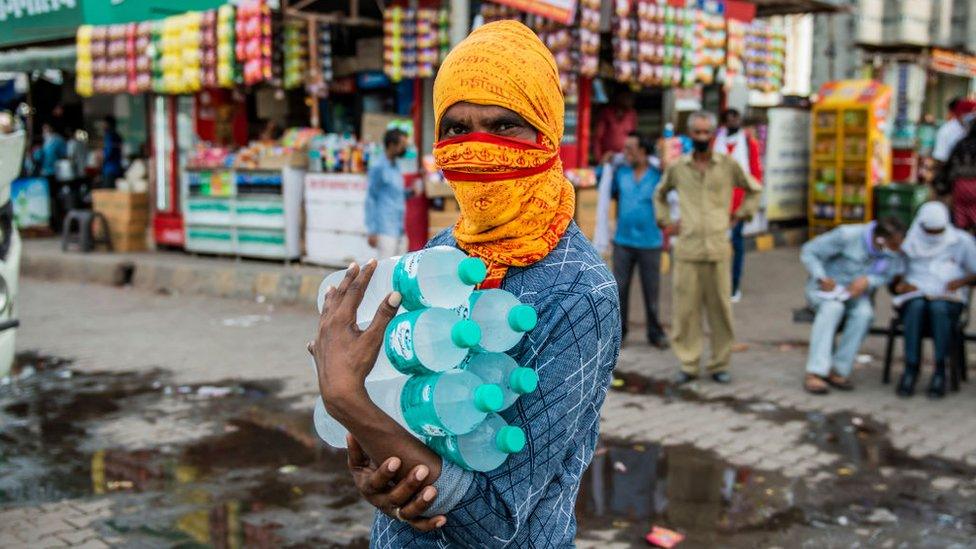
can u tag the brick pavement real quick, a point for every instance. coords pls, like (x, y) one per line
(203, 339)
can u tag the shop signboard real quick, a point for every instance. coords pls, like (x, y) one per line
(953, 62)
(36, 21)
(787, 163)
(562, 11)
(31, 21)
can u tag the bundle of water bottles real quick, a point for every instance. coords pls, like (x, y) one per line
(443, 373)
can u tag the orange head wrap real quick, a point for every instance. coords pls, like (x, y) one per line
(515, 201)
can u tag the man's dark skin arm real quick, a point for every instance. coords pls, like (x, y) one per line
(344, 356)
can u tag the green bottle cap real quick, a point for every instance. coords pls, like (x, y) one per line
(523, 380)
(522, 318)
(466, 334)
(472, 271)
(488, 397)
(510, 439)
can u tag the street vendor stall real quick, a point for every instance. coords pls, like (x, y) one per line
(850, 155)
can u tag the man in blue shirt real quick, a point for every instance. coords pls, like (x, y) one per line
(53, 148)
(386, 198)
(638, 240)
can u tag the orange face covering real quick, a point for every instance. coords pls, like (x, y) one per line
(515, 201)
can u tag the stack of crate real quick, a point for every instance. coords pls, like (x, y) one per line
(127, 215)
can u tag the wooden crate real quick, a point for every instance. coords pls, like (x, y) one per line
(122, 208)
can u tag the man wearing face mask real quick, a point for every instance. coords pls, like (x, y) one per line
(498, 120)
(846, 265)
(386, 198)
(704, 181)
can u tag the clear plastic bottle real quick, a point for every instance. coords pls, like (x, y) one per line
(429, 340)
(502, 317)
(379, 288)
(441, 276)
(484, 449)
(452, 403)
(502, 370)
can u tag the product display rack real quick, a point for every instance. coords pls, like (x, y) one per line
(243, 212)
(850, 153)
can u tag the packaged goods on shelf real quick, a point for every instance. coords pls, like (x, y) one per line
(295, 54)
(227, 69)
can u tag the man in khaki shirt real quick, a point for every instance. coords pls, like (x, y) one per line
(704, 181)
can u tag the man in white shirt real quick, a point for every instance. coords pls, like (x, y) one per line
(961, 112)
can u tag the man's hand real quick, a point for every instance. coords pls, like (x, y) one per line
(607, 157)
(826, 284)
(957, 284)
(373, 240)
(858, 287)
(344, 354)
(406, 500)
(674, 229)
(904, 288)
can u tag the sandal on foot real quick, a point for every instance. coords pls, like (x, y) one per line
(815, 385)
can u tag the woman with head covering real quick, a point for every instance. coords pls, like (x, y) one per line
(941, 263)
(498, 122)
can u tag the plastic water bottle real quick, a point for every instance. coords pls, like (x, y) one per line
(429, 340)
(328, 429)
(441, 276)
(502, 370)
(483, 449)
(379, 288)
(451, 403)
(435, 405)
(502, 317)
(668, 130)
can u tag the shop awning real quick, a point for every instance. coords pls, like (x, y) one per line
(33, 59)
(767, 8)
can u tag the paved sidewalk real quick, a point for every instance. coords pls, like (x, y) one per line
(759, 421)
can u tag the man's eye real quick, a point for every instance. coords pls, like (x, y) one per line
(453, 131)
(505, 127)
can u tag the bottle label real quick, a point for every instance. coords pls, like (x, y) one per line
(464, 310)
(406, 282)
(399, 344)
(447, 448)
(417, 405)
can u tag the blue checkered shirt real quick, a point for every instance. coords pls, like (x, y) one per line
(529, 501)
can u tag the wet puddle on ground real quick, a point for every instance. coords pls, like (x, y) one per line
(242, 470)
(874, 496)
(257, 480)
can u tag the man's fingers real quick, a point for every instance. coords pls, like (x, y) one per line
(427, 524)
(351, 273)
(421, 502)
(408, 488)
(355, 455)
(386, 311)
(380, 479)
(357, 288)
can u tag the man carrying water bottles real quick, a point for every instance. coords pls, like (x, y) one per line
(499, 121)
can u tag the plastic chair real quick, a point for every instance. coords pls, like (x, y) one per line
(79, 229)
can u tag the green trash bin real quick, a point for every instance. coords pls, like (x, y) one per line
(899, 200)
